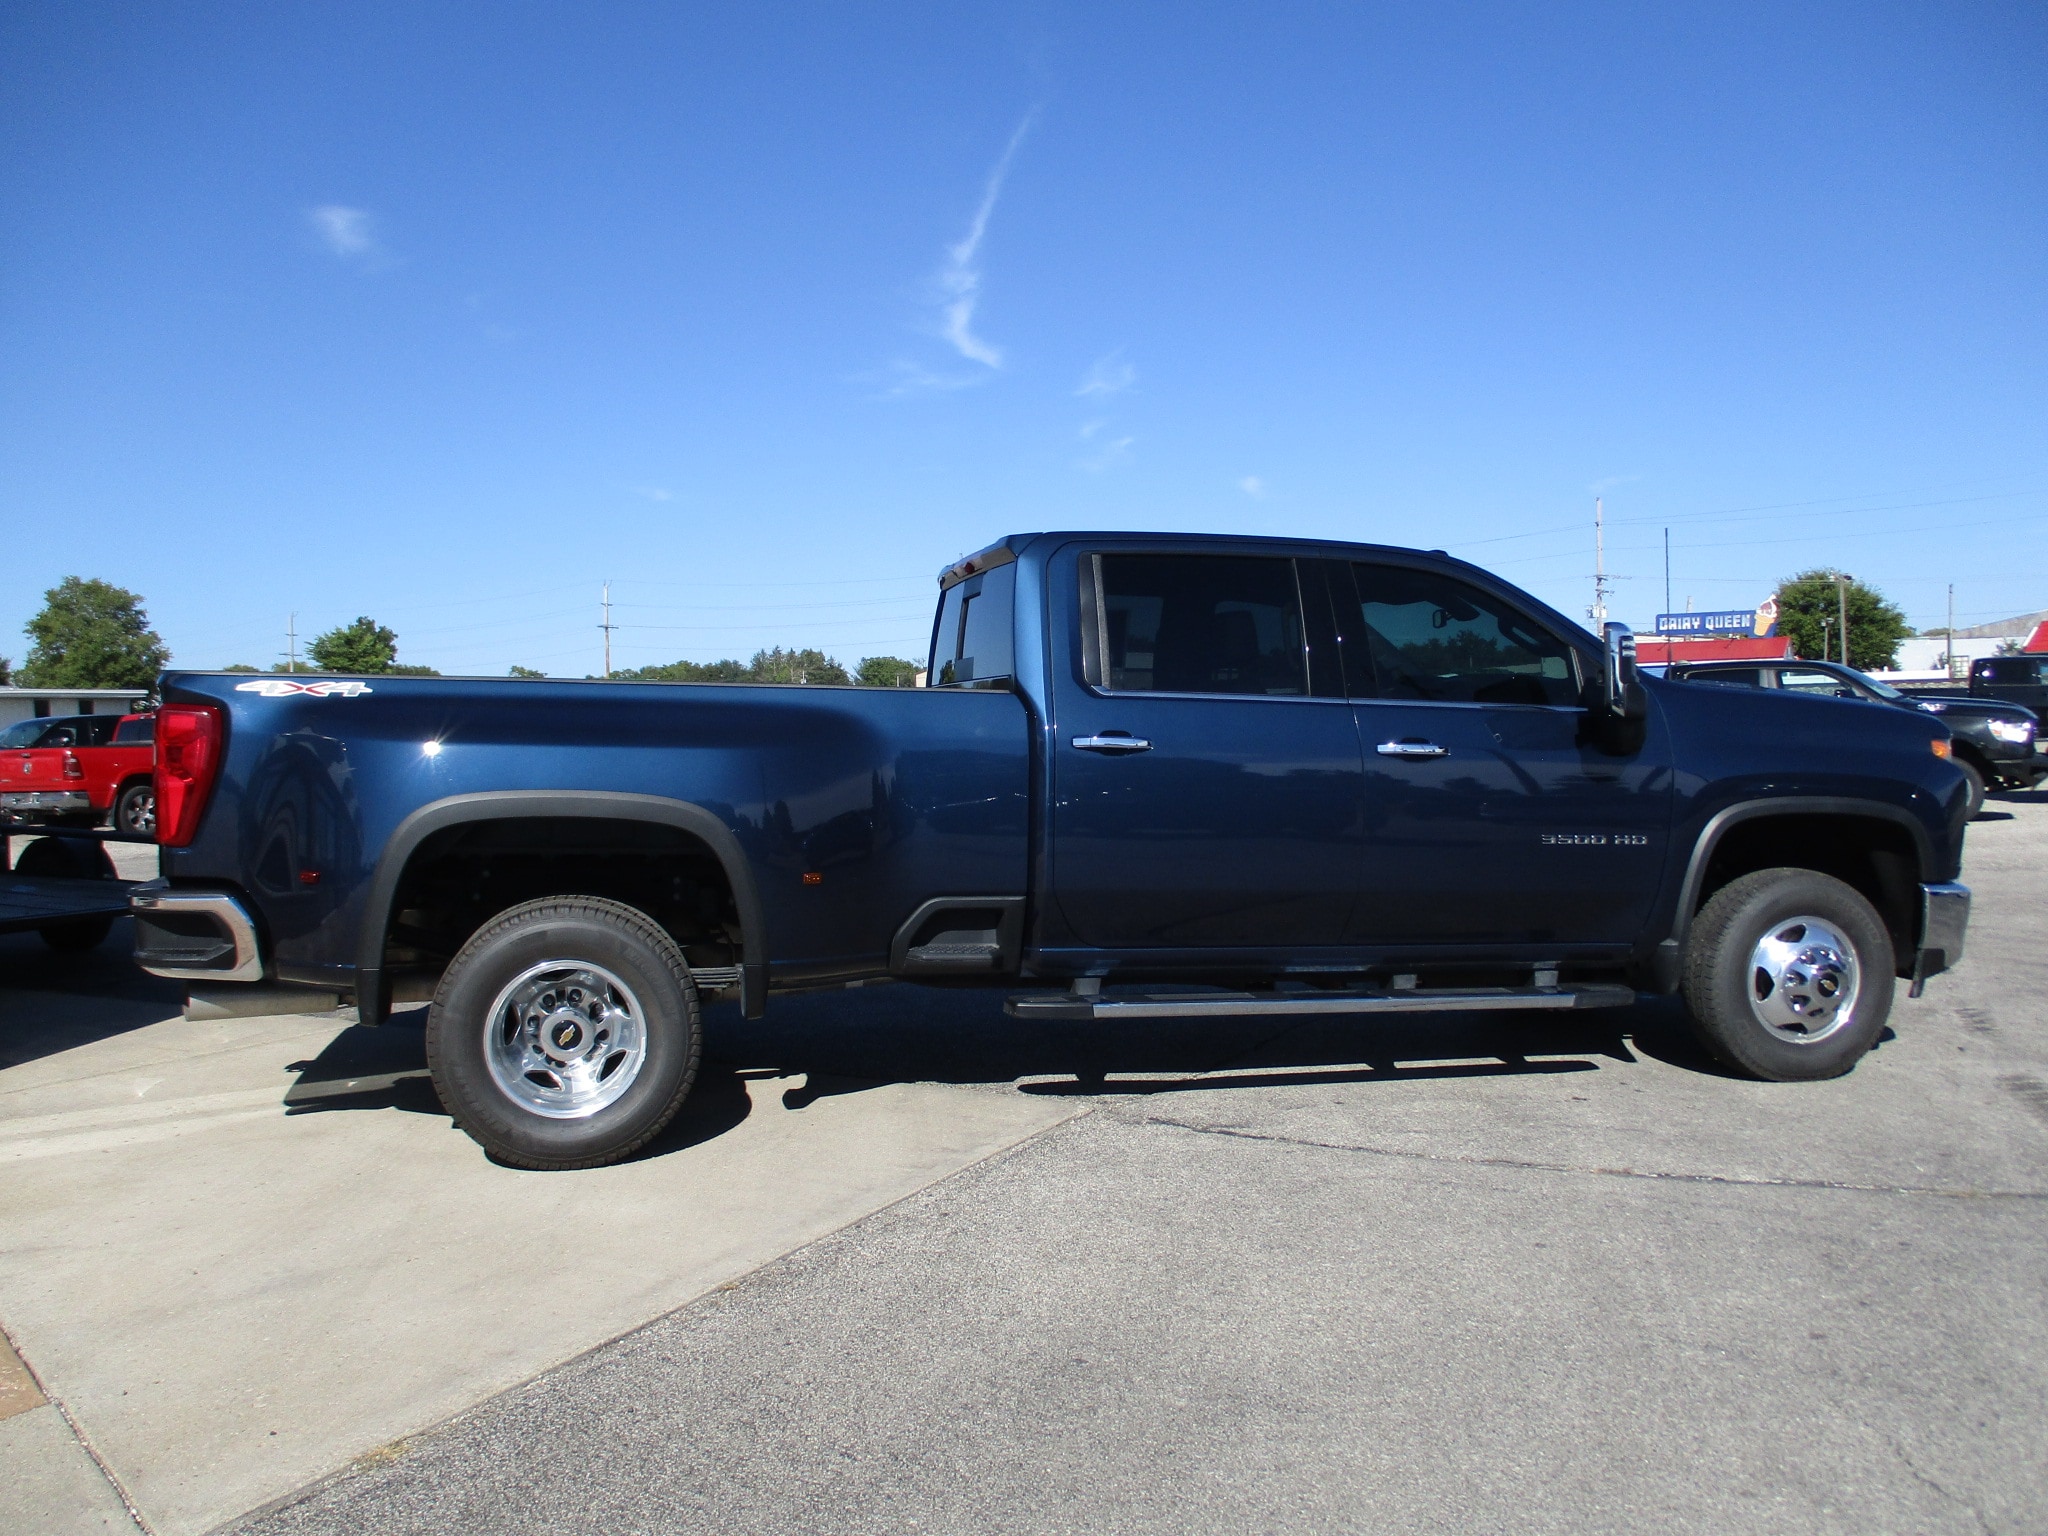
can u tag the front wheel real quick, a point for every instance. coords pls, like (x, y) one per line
(1788, 975)
(1975, 781)
(565, 1034)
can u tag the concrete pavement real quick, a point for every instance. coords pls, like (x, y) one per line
(1405, 1275)
(1385, 1278)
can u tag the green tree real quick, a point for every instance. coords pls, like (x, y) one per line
(727, 671)
(886, 672)
(527, 674)
(6, 671)
(241, 666)
(364, 646)
(1809, 614)
(92, 634)
(805, 666)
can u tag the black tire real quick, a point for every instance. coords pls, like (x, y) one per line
(1975, 780)
(69, 858)
(66, 858)
(466, 1032)
(135, 809)
(1726, 992)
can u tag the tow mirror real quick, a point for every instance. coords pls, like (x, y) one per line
(1621, 686)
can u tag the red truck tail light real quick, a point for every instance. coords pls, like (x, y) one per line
(189, 739)
(73, 768)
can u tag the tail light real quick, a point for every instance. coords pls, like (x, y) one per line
(73, 769)
(189, 740)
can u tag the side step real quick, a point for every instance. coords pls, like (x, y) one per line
(1196, 1005)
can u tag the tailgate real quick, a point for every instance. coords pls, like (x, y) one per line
(39, 768)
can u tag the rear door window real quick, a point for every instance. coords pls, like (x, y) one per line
(1429, 636)
(1217, 624)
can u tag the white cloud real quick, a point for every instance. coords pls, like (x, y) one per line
(344, 231)
(653, 492)
(1111, 375)
(1115, 451)
(959, 280)
(1253, 487)
(1602, 486)
(905, 377)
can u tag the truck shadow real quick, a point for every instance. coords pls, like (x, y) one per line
(386, 1068)
(842, 1043)
(56, 1000)
(852, 1041)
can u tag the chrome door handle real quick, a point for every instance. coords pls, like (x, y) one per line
(1112, 743)
(1412, 747)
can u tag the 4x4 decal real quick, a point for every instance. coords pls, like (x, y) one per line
(284, 687)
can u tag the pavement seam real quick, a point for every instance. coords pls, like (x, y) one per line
(1534, 1166)
(391, 1451)
(77, 1431)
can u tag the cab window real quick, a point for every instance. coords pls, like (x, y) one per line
(1429, 636)
(136, 732)
(972, 644)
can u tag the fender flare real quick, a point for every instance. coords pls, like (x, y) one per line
(1670, 952)
(373, 995)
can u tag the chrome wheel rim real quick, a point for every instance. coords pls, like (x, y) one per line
(142, 813)
(1804, 980)
(565, 1038)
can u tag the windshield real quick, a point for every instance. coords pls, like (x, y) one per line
(1882, 690)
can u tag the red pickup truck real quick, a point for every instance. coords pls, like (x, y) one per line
(81, 768)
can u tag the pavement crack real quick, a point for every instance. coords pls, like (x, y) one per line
(1906, 1460)
(1535, 1165)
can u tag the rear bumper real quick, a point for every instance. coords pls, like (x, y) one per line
(1944, 918)
(68, 802)
(194, 935)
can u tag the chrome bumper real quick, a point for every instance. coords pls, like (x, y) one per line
(194, 935)
(46, 800)
(1944, 915)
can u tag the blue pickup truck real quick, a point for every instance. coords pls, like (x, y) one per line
(1149, 776)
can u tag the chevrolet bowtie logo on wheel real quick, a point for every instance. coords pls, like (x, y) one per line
(284, 687)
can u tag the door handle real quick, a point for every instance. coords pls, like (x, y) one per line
(1412, 746)
(1113, 742)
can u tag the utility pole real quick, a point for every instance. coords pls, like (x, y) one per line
(1598, 612)
(1667, 570)
(1842, 593)
(291, 643)
(607, 626)
(1951, 657)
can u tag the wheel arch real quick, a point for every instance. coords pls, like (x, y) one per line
(372, 989)
(1838, 815)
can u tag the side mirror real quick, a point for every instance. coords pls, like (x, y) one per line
(1621, 686)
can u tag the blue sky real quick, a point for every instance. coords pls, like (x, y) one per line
(447, 314)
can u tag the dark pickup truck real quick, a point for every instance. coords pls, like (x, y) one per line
(1995, 744)
(1152, 776)
(2019, 679)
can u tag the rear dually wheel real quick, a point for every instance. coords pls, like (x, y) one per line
(566, 1033)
